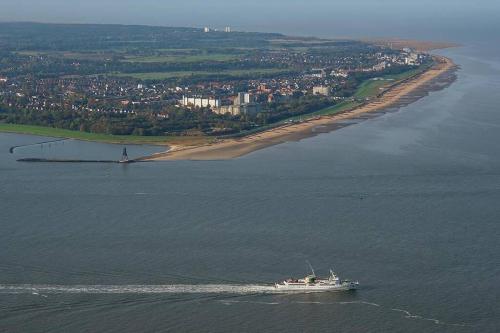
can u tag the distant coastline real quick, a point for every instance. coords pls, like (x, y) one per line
(399, 94)
(419, 45)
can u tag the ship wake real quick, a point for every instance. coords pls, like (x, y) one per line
(139, 289)
(220, 289)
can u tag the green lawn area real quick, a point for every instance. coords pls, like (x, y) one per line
(373, 87)
(170, 75)
(183, 58)
(129, 139)
(70, 55)
(342, 106)
(29, 53)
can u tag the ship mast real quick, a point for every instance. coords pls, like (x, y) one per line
(310, 266)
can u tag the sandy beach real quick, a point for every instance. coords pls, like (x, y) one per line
(400, 94)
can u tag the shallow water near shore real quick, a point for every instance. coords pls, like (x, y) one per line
(30, 146)
(406, 203)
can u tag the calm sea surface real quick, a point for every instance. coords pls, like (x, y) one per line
(407, 203)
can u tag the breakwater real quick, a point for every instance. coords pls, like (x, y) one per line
(11, 149)
(49, 160)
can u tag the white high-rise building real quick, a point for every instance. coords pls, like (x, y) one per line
(200, 102)
(227, 29)
(243, 98)
(243, 103)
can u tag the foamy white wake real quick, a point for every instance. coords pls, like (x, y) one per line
(241, 289)
(138, 289)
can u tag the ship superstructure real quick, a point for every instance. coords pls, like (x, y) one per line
(312, 283)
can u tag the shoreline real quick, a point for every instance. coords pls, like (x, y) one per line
(402, 93)
(51, 132)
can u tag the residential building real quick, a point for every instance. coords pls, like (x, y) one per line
(321, 90)
(243, 103)
(200, 102)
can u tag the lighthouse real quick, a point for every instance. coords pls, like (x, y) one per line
(124, 158)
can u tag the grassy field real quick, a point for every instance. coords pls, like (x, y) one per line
(85, 136)
(372, 87)
(183, 58)
(343, 106)
(170, 75)
(70, 55)
(29, 53)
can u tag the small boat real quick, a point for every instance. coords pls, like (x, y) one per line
(312, 283)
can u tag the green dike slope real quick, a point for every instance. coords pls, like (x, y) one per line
(107, 138)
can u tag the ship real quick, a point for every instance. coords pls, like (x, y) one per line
(312, 283)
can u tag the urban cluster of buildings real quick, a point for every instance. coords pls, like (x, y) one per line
(243, 104)
(208, 29)
(314, 74)
(200, 102)
(322, 81)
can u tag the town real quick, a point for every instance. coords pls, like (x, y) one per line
(185, 91)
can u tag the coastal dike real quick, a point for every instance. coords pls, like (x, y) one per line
(441, 74)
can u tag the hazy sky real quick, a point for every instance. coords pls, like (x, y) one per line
(438, 19)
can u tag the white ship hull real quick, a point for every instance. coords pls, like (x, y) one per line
(287, 287)
(312, 283)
